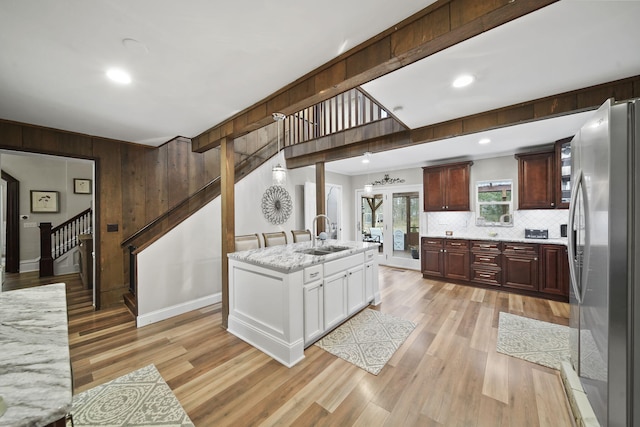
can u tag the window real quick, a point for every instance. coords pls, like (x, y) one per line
(494, 203)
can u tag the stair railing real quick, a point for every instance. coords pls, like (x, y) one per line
(57, 241)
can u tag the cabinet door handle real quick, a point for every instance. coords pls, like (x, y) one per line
(484, 259)
(443, 208)
(553, 204)
(535, 259)
(456, 244)
(519, 248)
(485, 275)
(431, 242)
(314, 274)
(485, 246)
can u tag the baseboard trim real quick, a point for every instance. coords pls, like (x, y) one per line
(176, 310)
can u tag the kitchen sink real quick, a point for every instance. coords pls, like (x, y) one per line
(323, 250)
(333, 248)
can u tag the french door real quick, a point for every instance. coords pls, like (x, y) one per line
(391, 217)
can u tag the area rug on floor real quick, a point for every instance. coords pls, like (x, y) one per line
(141, 398)
(533, 340)
(368, 340)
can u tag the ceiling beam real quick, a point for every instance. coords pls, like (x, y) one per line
(338, 147)
(441, 25)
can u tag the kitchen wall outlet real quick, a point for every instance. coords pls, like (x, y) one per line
(112, 227)
(30, 225)
(449, 233)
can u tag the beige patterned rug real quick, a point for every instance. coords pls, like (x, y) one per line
(544, 343)
(368, 340)
(141, 398)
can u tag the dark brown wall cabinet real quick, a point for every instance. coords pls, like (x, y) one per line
(536, 174)
(544, 179)
(446, 187)
(534, 269)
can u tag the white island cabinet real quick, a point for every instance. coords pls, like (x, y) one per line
(281, 300)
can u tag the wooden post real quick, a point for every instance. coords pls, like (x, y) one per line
(46, 260)
(320, 197)
(227, 190)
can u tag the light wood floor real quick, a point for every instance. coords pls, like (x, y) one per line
(447, 373)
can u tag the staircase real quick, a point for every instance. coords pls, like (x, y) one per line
(60, 242)
(339, 114)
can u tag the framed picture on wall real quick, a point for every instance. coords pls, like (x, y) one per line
(81, 186)
(45, 201)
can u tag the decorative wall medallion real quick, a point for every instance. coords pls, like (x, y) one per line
(276, 205)
(387, 180)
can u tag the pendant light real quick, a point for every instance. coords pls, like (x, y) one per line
(368, 187)
(278, 173)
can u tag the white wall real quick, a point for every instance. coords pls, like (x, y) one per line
(182, 271)
(248, 198)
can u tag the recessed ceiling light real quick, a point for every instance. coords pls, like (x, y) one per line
(464, 80)
(484, 141)
(119, 76)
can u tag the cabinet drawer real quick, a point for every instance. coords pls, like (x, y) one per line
(521, 248)
(429, 241)
(489, 277)
(312, 273)
(486, 259)
(342, 264)
(486, 246)
(369, 256)
(460, 245)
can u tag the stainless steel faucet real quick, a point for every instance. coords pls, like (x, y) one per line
(315, 227)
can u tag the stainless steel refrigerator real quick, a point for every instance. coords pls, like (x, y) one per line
(605, 260)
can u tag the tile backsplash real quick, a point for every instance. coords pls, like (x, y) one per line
(463, 224)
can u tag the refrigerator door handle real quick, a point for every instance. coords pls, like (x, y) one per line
(570, 237)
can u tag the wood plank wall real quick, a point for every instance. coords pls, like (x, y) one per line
(134, 185)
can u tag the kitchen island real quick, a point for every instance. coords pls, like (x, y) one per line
(35, 369)
(284, 298)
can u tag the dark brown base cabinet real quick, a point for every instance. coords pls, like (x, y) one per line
(432, 257)
(520, 262)
(486, 262)
(554, 270)
(456, 259)
(445, 258)
(533, 269)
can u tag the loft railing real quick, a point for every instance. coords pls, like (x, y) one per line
(344, 111)
(57, 241)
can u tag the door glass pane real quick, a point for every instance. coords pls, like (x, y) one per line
(372, 219)
(405, 211)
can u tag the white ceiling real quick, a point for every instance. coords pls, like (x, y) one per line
(198, 62)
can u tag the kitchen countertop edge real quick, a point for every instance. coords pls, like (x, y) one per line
(552, 241)
(287, 259)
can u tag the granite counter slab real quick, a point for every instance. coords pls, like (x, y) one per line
(35, 369)
(556, 241)
(287, 258)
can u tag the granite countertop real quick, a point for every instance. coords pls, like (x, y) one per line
(553, 241)
(287, 259)
(35, 368)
